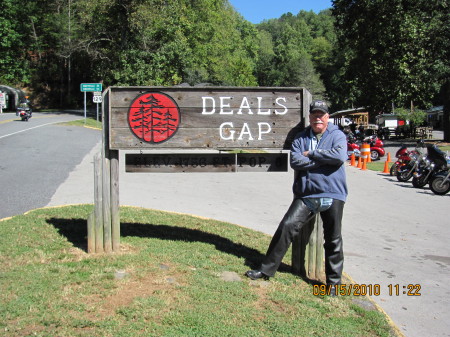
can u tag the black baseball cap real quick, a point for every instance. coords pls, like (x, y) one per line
(318, 106)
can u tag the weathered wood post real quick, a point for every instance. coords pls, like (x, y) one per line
(98, 203)
(104, 222)
(308, 251)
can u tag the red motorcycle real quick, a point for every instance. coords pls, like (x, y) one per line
(405, 158)
(376, 147)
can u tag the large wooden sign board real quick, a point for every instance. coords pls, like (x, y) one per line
(203, 118)
(149, 119)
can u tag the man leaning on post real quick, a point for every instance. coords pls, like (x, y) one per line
(318, 155)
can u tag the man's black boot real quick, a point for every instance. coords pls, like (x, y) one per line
(256, 274)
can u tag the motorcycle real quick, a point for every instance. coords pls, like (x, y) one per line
(440, 182)
(428, 166)
(376, 147)
(24, 112)
(403, 157)
(405, 171)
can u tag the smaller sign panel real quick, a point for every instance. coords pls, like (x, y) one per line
(208, 162)
(91, 87)
(262, 162)
(176, 163)
(97, 99)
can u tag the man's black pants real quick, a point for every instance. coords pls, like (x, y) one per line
(295, 218)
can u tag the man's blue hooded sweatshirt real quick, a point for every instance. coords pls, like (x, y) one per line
(322, 173)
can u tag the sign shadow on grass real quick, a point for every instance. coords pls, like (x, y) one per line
(75, 230)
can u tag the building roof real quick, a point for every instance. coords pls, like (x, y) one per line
(349, 112)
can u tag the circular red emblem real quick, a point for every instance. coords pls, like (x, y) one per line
(154, 117)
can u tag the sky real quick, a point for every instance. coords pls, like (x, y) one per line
(256, 11)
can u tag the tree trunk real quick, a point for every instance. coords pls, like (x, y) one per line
(446, 118)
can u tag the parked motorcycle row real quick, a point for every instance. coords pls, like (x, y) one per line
(425, 165)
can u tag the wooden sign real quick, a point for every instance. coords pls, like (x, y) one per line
(203, 118)
(138, 118)
(206, 162)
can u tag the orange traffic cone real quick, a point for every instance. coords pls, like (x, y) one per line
(352, 160)
(359, 163)
(364, 165)
(386, 167)
(388, 157)
(369, 158)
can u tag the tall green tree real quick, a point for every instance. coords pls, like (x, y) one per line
(439, 47)
(285, 54)
(13, 41)
(388, 59)
(178, 41)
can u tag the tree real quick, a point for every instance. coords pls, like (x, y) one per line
(285, 54)
(415, 117)
(195, 41)
(13, 61)
(439, 46)
(264, 67)
(390, 51)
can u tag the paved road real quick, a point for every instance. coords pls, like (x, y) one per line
(393, 234)
(36, 157)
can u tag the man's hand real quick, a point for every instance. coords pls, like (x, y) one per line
(306, 153)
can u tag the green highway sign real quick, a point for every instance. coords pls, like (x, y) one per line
(91, 87)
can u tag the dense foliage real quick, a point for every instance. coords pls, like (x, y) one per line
(296, 51)
(378, 54)
(61, 43)
(394, 53)
(58, 44)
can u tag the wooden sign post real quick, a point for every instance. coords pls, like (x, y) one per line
(196, 118)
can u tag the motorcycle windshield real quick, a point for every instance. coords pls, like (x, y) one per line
(436, 155)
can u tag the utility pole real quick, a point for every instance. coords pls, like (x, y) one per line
(69, 66)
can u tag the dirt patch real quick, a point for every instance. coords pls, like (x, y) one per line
(128, 290)
(79, 254)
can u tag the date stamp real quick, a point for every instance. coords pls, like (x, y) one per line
(367, 289)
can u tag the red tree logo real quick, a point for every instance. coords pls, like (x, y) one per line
(154, 117)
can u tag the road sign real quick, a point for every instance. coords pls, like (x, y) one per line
(2, 101)
(91, 87)
(97, 93)
(97, 99)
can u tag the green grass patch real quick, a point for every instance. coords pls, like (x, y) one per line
(89, 122)
(47, 110)
(167, 280)
(377, 165)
